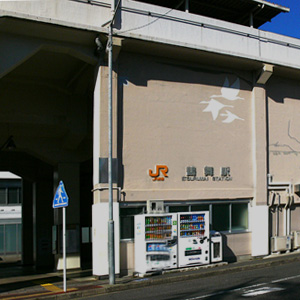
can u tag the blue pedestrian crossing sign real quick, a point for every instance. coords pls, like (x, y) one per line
(61, 198)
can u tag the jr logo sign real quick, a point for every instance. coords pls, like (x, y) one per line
(160, 173)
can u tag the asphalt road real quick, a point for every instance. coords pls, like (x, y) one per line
(277, 282)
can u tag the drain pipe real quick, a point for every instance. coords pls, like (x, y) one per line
(288, 209)
(283, 186)
(274, 195)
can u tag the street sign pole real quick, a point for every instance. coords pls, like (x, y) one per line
(64, 249)
(61, 200)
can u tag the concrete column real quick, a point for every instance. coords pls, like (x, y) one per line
(96, 128)
(259, 145)
(100, 239)
(259, 212)
(42, 222)
(101, 128)
(69, 173)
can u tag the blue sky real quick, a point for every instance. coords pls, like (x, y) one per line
(286, 23)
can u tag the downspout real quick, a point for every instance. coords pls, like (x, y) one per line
(253, 12)
(187, 6)
(277, 216)
(283, 186)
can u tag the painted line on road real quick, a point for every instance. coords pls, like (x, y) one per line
(262, 291)
(244, 288)
(285, 279)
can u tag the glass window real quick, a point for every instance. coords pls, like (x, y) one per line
(3, 196)
(220, 217)
(85, 235)
(239, 215)
(13, 195)
(1, 239)
(127, 227)
(200, 207)
(131, 211)
(127, 221)
(11, 238)
(19, 228)
(178, 209)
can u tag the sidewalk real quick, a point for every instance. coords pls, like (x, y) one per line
(18, 282)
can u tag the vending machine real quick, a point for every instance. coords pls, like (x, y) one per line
(155, 242)
(193, 238)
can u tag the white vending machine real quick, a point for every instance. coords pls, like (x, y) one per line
(193, 238)
(155, 242)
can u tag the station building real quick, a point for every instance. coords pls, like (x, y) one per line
(205, 117)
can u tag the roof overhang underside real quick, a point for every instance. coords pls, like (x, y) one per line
(234, 11)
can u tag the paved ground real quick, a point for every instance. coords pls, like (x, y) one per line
(17, 282)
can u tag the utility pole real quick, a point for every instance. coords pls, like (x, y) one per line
(111, 226)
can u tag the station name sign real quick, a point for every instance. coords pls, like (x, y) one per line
(160, 173)
(191, 174)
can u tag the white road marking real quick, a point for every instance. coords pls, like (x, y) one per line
(246, 288)
(261, 291)
(285, 279)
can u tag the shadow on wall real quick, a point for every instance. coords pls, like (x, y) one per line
(160, 69)
(228, 254)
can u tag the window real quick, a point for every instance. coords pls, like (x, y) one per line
(174, 209)
(19, 237)
(10, 194)
(11, 238)
(127, 221)
(1, 239)
(200, 207)
(239, 216)
(13, 195)
(220, 217)
(230, 217)
(2, 196)
(10, 191)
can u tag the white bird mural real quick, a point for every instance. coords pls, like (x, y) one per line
(230, 117)
(230, 92)
(214, 107)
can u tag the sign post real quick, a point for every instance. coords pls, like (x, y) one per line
(61, 200)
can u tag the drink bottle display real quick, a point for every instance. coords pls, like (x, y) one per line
(158, 227)
(193, 241)
(192, 225)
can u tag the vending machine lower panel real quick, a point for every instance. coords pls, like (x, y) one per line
(193, 241)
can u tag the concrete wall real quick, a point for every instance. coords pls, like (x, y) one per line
(127, 257)
(284, 129)
(163, 25)
(236, 246)
(176, 115)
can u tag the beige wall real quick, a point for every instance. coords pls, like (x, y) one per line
(295, 218)
(284, 129)
(176, 115)
(127, 257)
